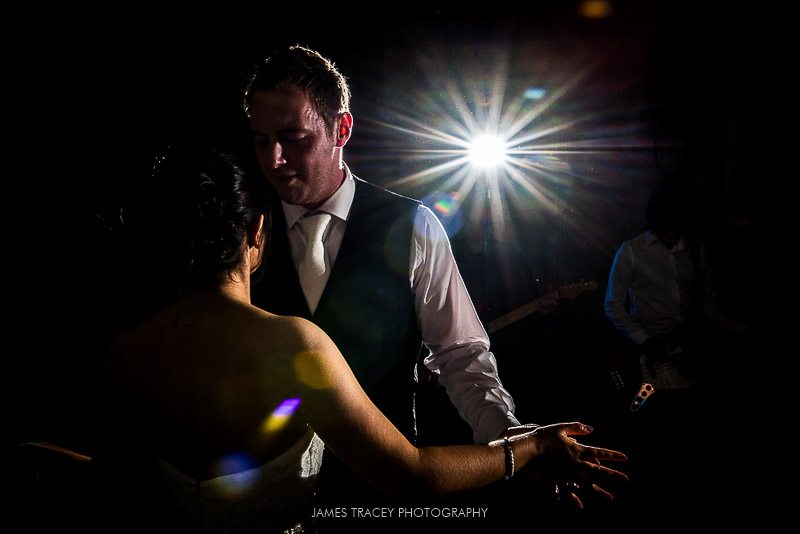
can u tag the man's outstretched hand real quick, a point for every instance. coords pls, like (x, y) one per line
(570, 468)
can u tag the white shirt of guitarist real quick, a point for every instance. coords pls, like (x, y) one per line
(658, 284)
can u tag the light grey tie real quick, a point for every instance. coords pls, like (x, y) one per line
(313, 269)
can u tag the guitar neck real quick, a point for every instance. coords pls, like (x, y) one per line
(565, 292)
(512, 317)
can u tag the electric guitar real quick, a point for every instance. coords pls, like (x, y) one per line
(638, 377)
(565, 292)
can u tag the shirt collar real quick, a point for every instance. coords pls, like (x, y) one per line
(337, 205)
(651, 238)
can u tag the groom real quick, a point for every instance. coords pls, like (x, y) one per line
(372, 268)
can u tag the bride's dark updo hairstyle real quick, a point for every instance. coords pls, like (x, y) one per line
(205, 206)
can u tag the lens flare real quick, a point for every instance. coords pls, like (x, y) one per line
(596, 9)
(307, 368)
(534, 93)
(281, 415)
(487, 151)
(234, 473)
(537, 134)
(446, 206)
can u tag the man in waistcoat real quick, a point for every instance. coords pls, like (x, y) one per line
(372, 268)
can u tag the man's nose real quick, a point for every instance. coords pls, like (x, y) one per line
(277, 158)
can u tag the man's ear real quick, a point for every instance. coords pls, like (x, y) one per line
(344, 129)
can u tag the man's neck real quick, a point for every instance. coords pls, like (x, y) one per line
(316, 205)
(669, 237)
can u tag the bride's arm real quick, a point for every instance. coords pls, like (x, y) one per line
(356, 431)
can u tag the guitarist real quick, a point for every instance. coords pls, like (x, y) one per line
(659, 289)
(659, 292)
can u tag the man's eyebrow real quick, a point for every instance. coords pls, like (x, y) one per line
(282, 131)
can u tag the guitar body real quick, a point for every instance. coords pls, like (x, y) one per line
(637, 377)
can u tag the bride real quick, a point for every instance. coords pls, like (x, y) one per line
(232, 403)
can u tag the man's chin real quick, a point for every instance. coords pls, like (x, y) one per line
(291, 198)
(290, 190)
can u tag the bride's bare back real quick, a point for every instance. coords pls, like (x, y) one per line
(204, 379)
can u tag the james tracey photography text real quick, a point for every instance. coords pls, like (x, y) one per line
(399, 512)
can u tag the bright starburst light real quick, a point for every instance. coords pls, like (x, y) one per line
(509, 132)
(487, 151)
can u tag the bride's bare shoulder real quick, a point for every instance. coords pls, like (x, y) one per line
(299, 333)
(304, 353)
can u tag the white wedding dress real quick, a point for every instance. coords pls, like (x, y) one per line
(273, 497)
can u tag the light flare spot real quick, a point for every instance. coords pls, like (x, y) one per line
(234, 474)
(309, 371)
(534, 93)
(281, 415)
(596, 9)
(487, 151)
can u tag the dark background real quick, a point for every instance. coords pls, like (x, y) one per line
(96, 100)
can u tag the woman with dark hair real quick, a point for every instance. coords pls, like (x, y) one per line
(230, 399)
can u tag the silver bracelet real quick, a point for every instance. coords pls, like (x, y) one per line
(510, 464)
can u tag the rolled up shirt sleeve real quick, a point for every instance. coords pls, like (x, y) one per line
(458, 343)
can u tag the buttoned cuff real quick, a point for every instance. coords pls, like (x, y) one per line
(492, 425)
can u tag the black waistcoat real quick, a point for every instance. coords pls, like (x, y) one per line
(367, 307)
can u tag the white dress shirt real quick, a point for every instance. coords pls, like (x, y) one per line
(658, 282)
(458, 344)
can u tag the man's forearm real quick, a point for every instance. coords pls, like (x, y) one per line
(469, 375)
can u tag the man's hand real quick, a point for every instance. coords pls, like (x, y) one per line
(548, 302)
(570, 468)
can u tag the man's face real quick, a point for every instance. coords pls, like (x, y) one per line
(295, 150)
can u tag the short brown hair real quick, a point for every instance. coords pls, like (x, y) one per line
(309, 71)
